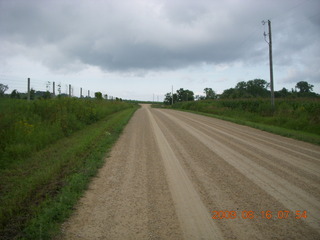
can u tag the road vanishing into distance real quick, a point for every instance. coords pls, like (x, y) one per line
(177, 175)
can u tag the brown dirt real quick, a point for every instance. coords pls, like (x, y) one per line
(169, 170)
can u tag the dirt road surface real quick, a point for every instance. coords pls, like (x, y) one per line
(170, 171)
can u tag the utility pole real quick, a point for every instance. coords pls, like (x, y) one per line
(69, 90)
(54, 89)
(28, 89)
(270, 61)
(172, 95)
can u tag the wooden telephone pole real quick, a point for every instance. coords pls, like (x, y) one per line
(28, 95)
(270, 61)
(172, 95)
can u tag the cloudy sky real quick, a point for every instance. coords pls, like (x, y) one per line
(137, 49)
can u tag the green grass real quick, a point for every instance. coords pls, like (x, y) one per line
(26, 127)
(38, 193)
(295, 118)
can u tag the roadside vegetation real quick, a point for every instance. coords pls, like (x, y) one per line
(49, 150)
(296, 113)
(27, 127)
(297, 118)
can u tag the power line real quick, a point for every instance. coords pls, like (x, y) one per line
(21, 85)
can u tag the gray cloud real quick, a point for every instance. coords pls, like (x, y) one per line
(147, 35)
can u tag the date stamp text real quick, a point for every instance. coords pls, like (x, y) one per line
(282, 214)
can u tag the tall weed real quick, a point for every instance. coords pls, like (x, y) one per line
(296, 114)
(26, 127)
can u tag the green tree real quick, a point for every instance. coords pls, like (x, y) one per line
(168, 98)
(249, 89)
(15, 94)
(199, 97)
(210, 94)
(304, 87)
(229, 93)
(98, 95)
(241, 86)
(240, 90)
(257, 88)
(185, 95)
(47, 95)
(32, 94)
(190, 95)
(282, 93)
(3, 89)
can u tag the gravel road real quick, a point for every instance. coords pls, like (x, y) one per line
(177, 175)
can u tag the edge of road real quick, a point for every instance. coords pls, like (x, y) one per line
(289, 133)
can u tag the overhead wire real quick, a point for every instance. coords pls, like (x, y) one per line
(42, 85)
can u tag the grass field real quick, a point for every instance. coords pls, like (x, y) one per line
(26, 127)
(42, 180)
(297, 118)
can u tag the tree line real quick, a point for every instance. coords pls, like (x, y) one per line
(256, 88)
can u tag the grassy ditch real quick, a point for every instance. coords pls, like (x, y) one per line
(38, 193)
(27, 127)
(295, 118)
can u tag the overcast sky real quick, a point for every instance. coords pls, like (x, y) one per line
(137, 49)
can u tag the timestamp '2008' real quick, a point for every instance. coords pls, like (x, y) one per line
(282, 214)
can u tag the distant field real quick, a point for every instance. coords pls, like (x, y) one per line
(49, 150)
(298, 118)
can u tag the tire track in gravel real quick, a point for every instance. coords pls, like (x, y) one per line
(292, 197)
(194, 218)
(300, 167)
(130, 197)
